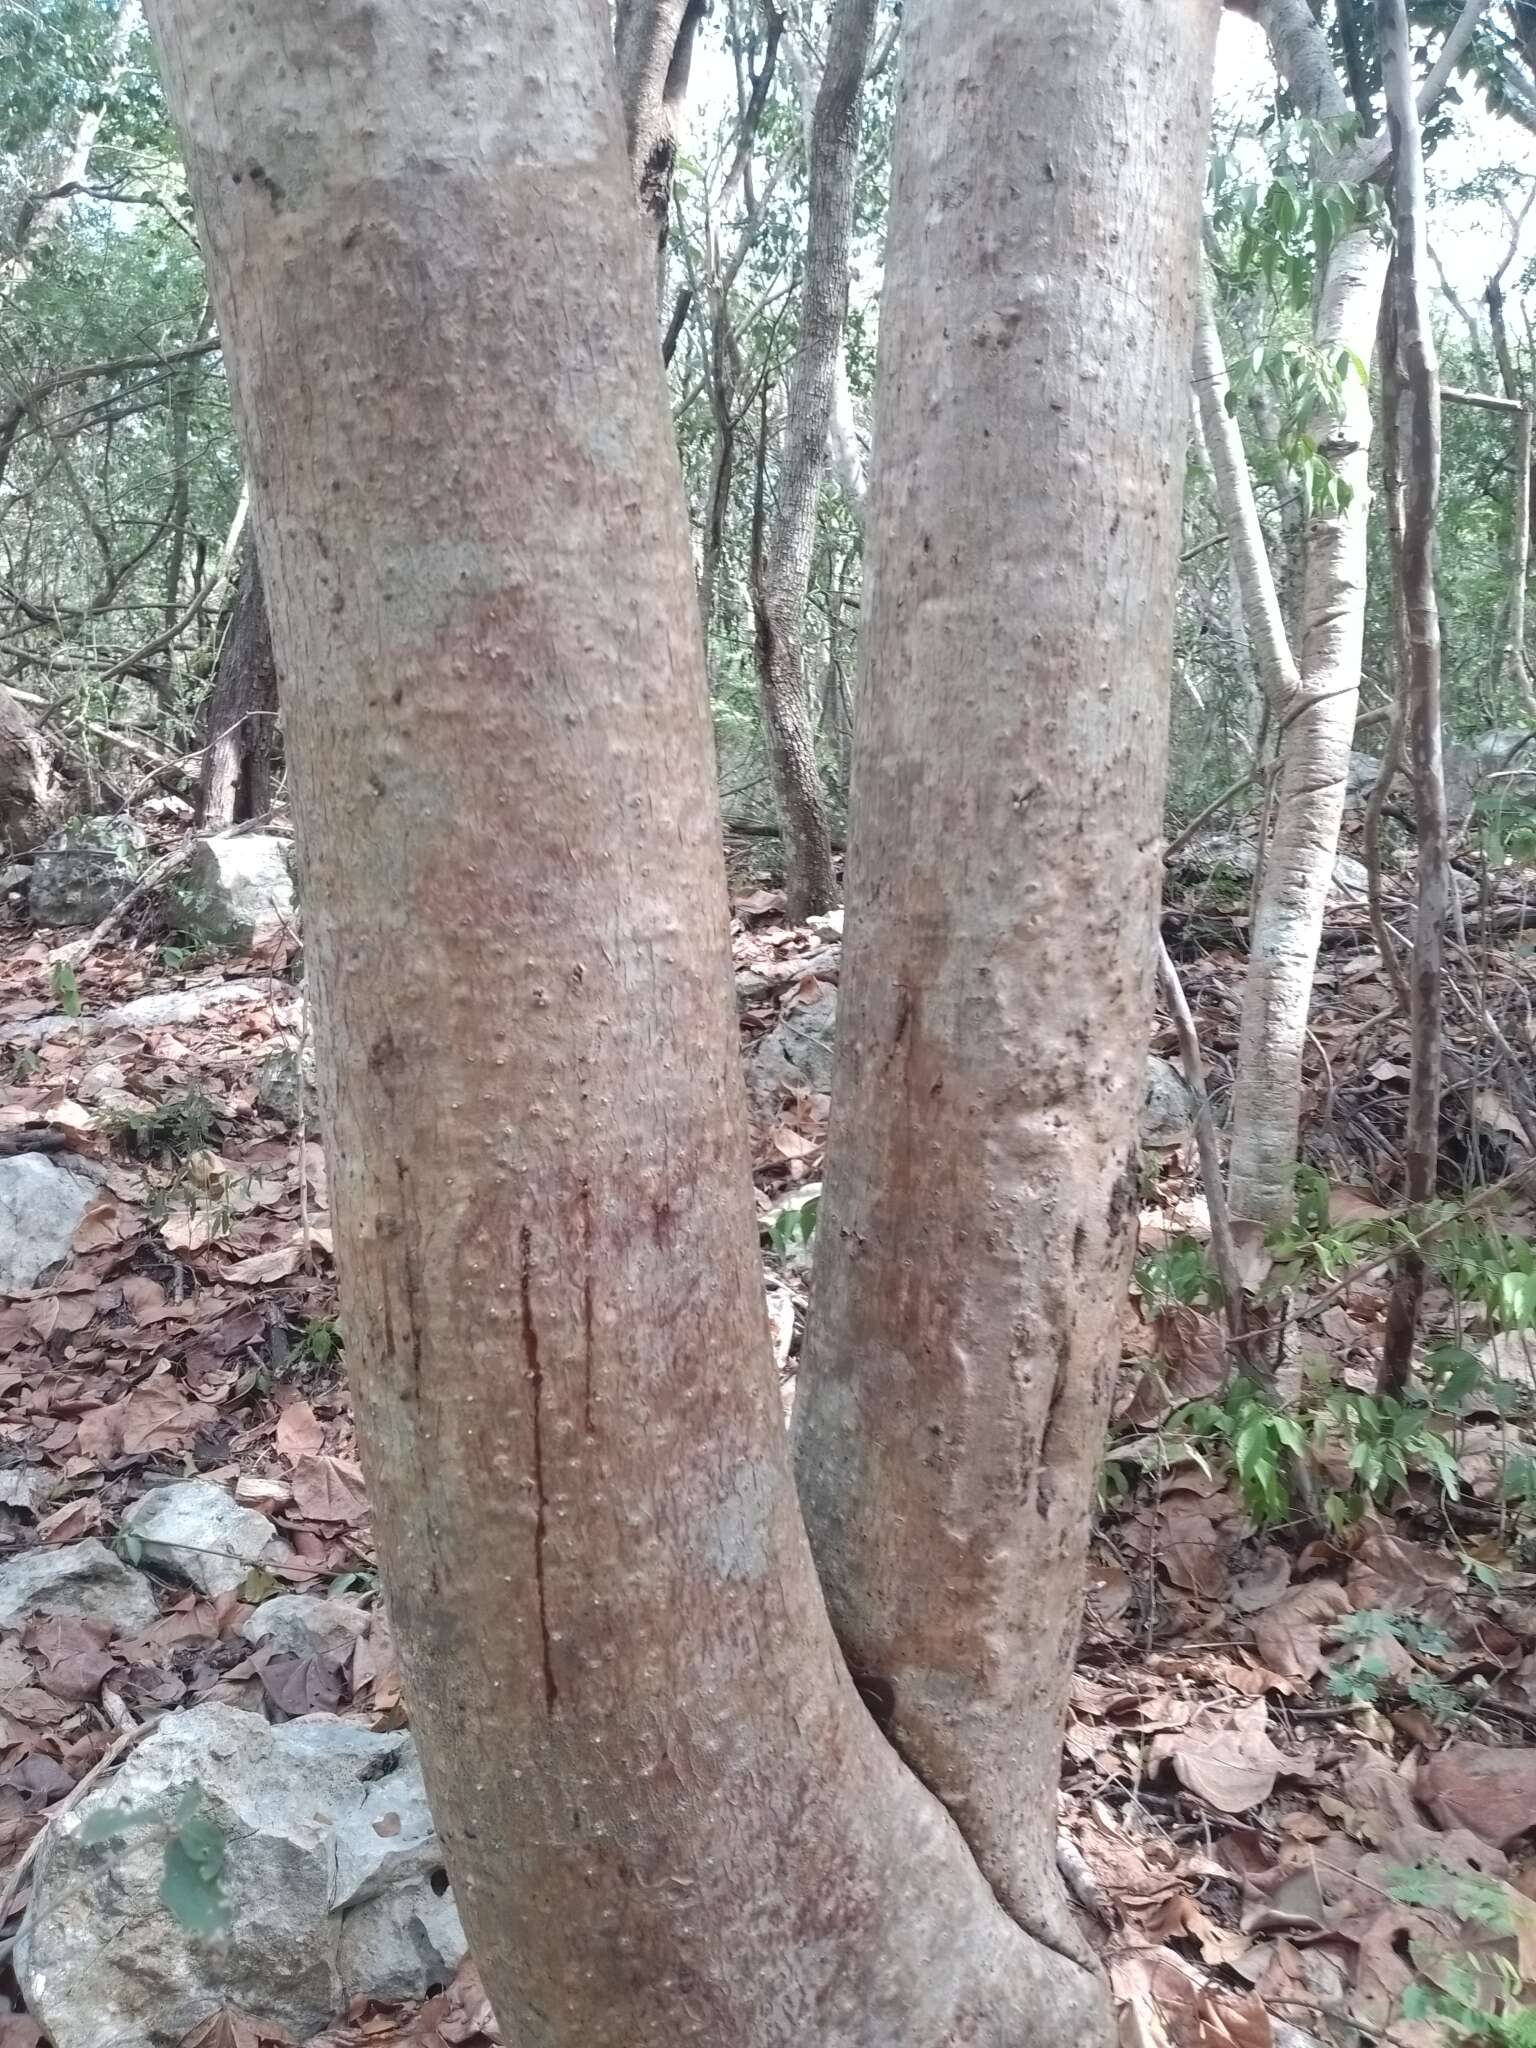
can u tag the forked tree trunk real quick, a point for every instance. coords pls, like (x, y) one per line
(668, 1815)
(240, 719)
(653, 47)
(1007, 799)
(782, 578)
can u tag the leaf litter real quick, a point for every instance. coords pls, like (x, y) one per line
(1281, 1837)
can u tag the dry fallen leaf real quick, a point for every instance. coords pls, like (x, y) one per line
(1163, 2004)
(1289, 1635)
(300, 1433)
(327, 1489)
(1226, 1758)
(1490, 1791)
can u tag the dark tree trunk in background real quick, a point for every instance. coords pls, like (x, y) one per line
(1411, 386)
(241, 716)
(26, 781)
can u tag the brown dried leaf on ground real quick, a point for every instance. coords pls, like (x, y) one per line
(327, 1489)
(1289, 1635)
(1226, 1759)
(300, 1432)
(227, 2029)
(1490, 1791)
(1162, 2004)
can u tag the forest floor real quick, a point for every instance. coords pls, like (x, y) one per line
(1300, 1786)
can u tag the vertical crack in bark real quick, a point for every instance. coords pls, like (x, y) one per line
(584, 1197)
(535, 1372)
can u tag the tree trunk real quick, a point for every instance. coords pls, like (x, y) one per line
(668, 1815)
(26, 778)
(240, 721)
(653, 46)
(1009, 756)
(781, 580)
(67, 166)
(1412, 387)
(1316, 737)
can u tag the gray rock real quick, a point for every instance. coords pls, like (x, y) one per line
(196, 1532)
(144, 1013)
(301, 1625)
(100, 1959)
(285, 1081)
(41, 1201)
(1233, 857)
(81, 1578)
(235, 892)
(401, 1944)
(87, 867)
(796, 1054)
(1363, 771)
(1167, 1107)
(1488, 766)
(386, 1841)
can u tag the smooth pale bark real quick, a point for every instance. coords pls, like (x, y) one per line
(1248, 554)
(668, 1815)
(782, 577)
(67, 165)
(1314, 772)
(1318, 727)
(1412, 388)
(843, 448)
(1031, 410)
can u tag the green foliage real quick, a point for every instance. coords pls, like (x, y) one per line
(175, 1128)
(1314, 1247)
(319, 1341)
(1181, 1273)
(1257, 1437)
(1466, 2004)
(192, 1880)
(66, 990)
(793, 1224)
(1491, 1268)
(1389, 1441)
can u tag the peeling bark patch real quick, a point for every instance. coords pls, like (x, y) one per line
(535, 1373)
(1053, 1437)
(736, 1530)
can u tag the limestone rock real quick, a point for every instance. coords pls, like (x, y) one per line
(144, 1013)
(1167, 1107)
(100, 1958)
(796, 1054)
(80, 1578)
(234, 892)
(41, 1201)
(1231, 857)
(284, 1080)
(86, 868)
(195, 1531)
(302, 1625)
